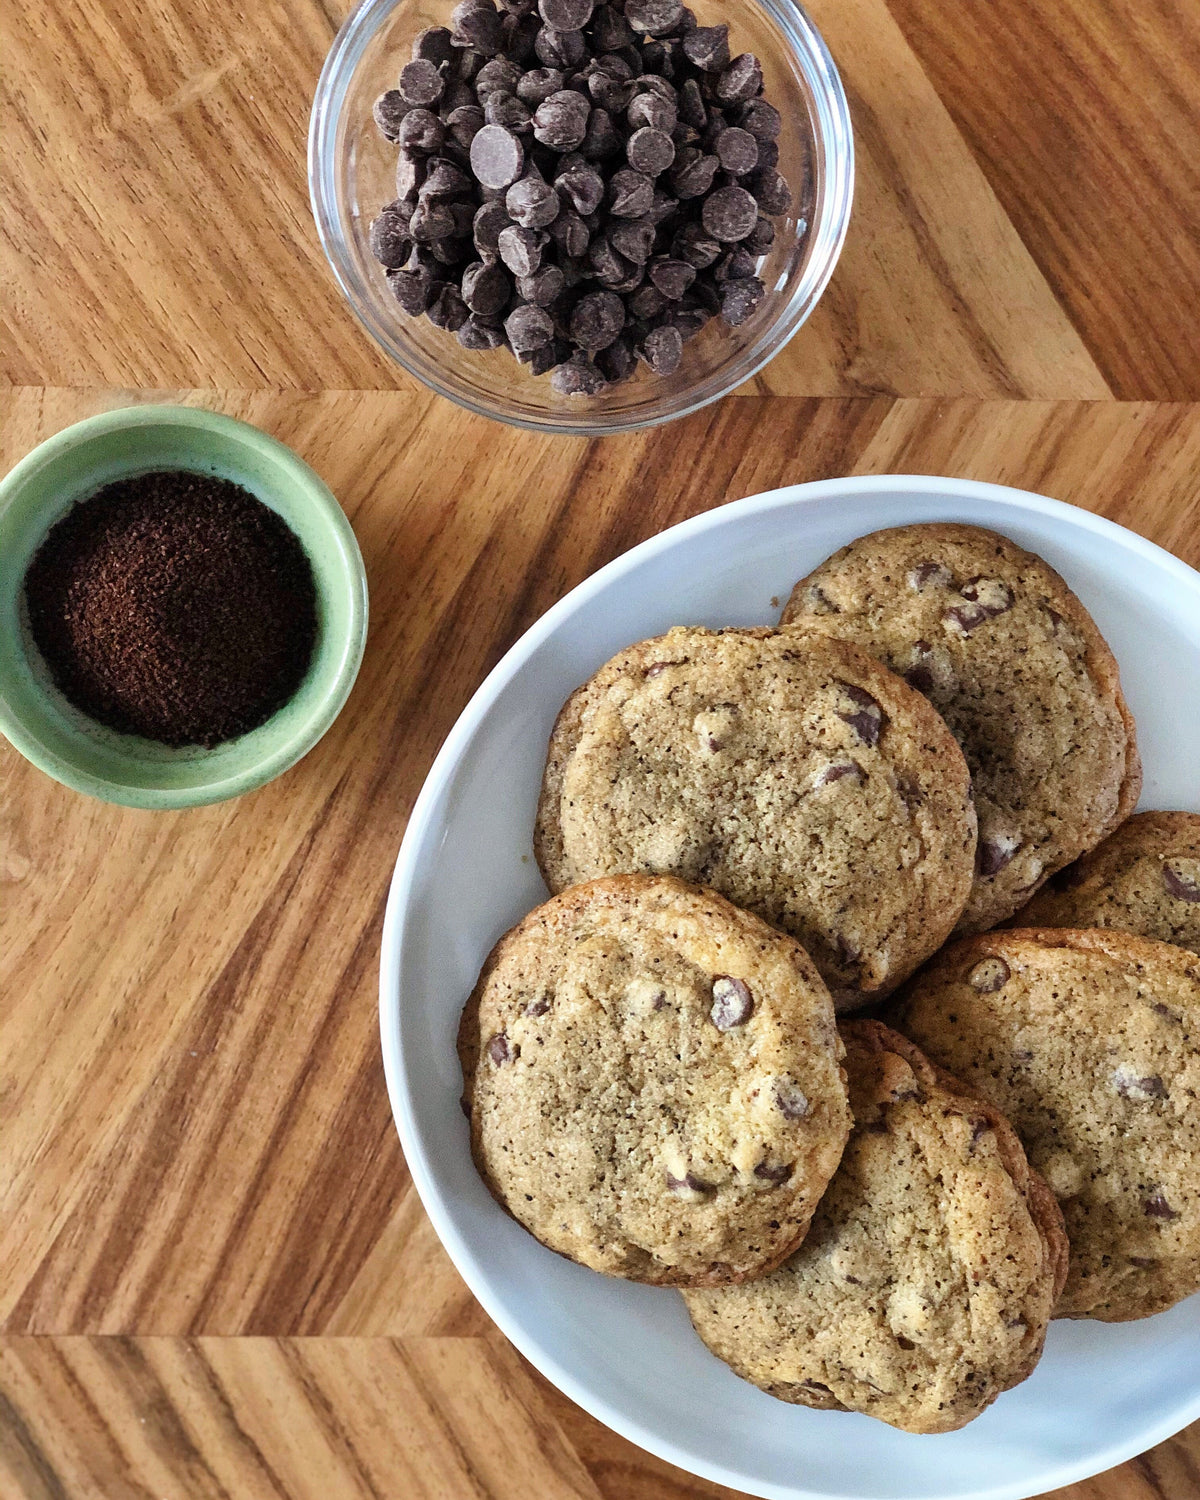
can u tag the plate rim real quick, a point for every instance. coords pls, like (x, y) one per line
(404, 875)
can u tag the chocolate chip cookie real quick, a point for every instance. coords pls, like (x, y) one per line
(1015, 665)
(1144, 878)
(1089, 1042)
(653, 1082)
(926, 1281)
(792, 773)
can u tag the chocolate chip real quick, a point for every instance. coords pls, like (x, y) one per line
(501, 1050)
(1142, 1262)
(561, 120)
(486, 288)
(707, 48)
(609, 268)
(633, 240)
(694, 244)
(507, 110)
(761, 119)
(560, 49)
(630, 194)
(431, 221)
(566, 15)
(617, 363)
(388, 112)
(650, 112)
(536, 86)
(433, 45)
(691, 109)
(1180, 885)
(737, 151)
(490, 219)
(528, 328)
(662, 349)
(909, 792)
(865, 717)
(732, 1002)
(497, 157)
(994, 853)
(1157, 1207)
(463, 125)
(421, 131)
(819, 602)
(447, 309)
(647, 302)
(693, 173)
(520, 249)
(391, 243)
(520, 35)
(671, 277)
(989, 975)
(791, 1099)
(729, 214)
(654, 17)
(1130, 1086)
(412, 288)
(498, 77)
(583, 186)
(740, 298)
(578, 376)
(927, 575)
(650, 151)
(479, 336)
(542, 361)
(839, 770)
(734, 265)
(421, 83)
(410, 174)
(611, 93)
(532, 203)
(740, 81)
(772, 192)
(776, 1174)
(444, 179)
(688, 1185)
(597, 320)
(538, 1007)
(662, 206)
(543, 287)
(571, 234)
(476, 24)
(761, 237)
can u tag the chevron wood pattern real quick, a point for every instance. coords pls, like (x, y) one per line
(215, 1277)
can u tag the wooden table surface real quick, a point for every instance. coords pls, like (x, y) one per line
(215, 1277)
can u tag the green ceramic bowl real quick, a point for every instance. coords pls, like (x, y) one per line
(124, 768)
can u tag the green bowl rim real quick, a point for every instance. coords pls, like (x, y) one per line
(326, 709)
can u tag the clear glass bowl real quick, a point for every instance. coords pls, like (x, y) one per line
(351, 172)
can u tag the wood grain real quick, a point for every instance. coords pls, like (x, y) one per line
(215, 1276)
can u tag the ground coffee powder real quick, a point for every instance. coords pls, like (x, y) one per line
(175, 606)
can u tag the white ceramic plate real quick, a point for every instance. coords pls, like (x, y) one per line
(466, 873)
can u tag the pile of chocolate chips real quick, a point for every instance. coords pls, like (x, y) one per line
(174, 605)
(587, 184)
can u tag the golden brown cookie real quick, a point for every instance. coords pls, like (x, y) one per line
(653, 1083)
(926, 1282)
(1144, 878)
(1089, 1042)
(790, 772)
(1015, 665)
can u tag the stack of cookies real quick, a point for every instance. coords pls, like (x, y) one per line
(914, 792)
